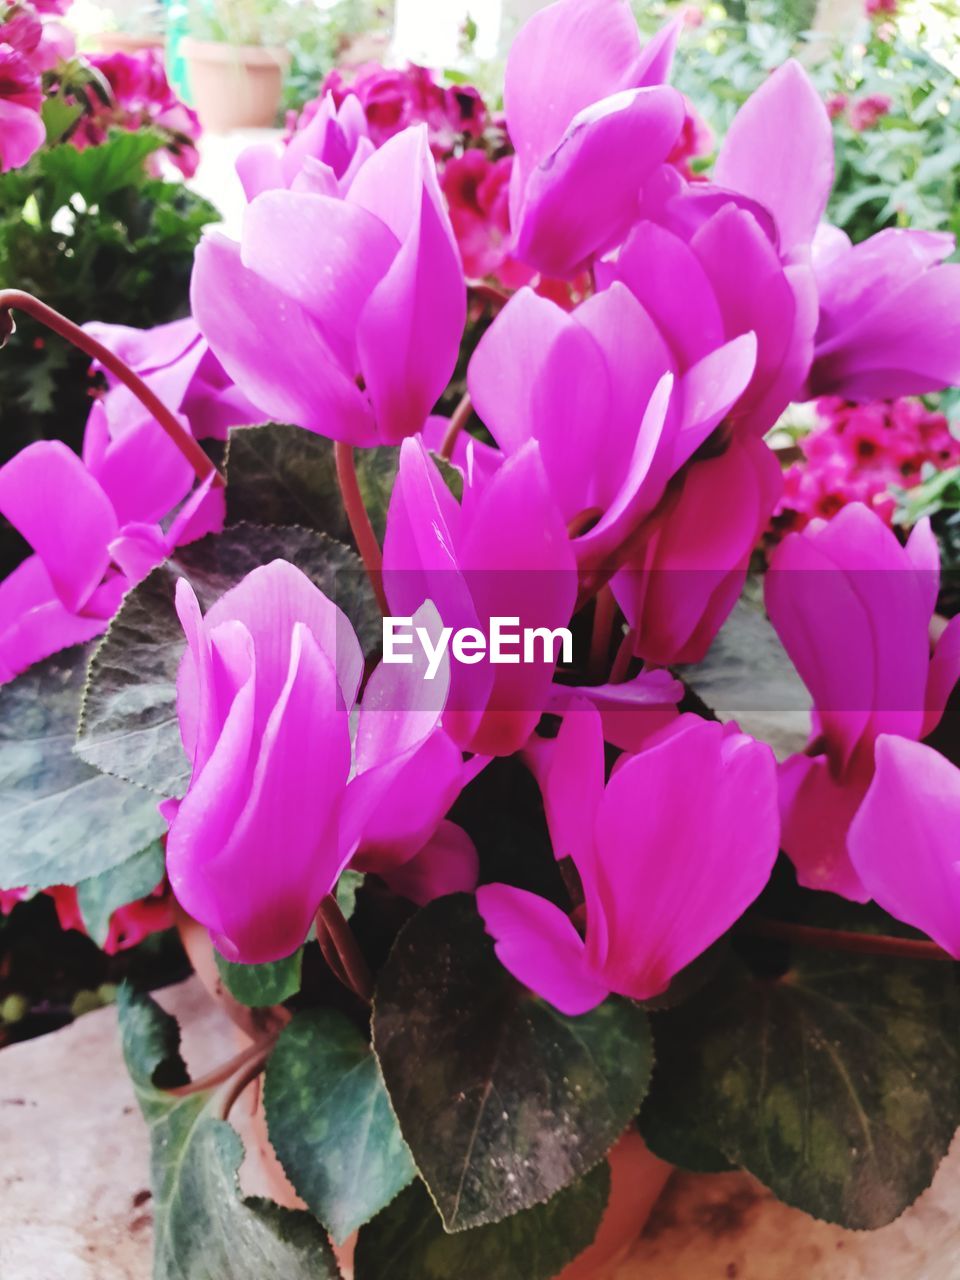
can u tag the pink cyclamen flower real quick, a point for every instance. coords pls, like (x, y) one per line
(502, 553)
(585, 140)
(670, 851)
(882, 8)
(711, 261)
(689, 559)
(272, 814)
(853, 608)
(343, 316)
(889, 315)
(328, 149)
(176, 363)
(600, 391)
(903, 839)
(94, 528)
(866, 111)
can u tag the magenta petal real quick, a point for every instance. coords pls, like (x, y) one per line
(709, 390)
(903, 841)
(325, 254)
(410, 329)
(447, 863)
(793, 181)
(943, 676)
(143, 473)
(582, 198)
(49, 496)
(22, 133)
(716, 814)
(907, 345)
(633, 711)
(669, 280)
(538, 944)
(33, 622)
(507, 359)
(260, 169)
(597, 44)
(816, 812)
(272, 348)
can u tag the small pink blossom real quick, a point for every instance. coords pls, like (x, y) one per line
(865, 112)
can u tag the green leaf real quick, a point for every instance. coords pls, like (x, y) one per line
(204, 1228)
(96, 172)
(278, 473)
(58, 115)
(407, 1241)
(60, 820)
(838, 1085)
(748, 677)
(130, 726)
(348, 886)
(502, 1100)
(330, 1121)
(100, 896)
(260, 985)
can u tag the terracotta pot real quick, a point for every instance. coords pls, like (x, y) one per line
(126, 42)
(234, 86)
(637, 1177)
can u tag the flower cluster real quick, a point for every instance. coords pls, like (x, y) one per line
(25, 50)
(608, 459)
(862, 453)
(140, 97)
(394, 99)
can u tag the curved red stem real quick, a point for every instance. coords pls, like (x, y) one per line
(16, 300)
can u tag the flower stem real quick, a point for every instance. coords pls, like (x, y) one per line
(331, 919)
(604, 612)
(256, 1065)
(224, 1072)
(459, 419)
(16, 299)
(868, 944)
(621, 663)
(360, 525)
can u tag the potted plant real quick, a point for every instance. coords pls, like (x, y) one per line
(143, 27)
(430, 714)
(235, 58)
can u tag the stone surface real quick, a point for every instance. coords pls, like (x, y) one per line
(75, 1203)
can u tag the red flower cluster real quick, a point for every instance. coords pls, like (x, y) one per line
(858, 453)
(129, 925)
(141, 96)
(395, 99)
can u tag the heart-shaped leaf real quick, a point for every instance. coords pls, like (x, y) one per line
(204, 1227)
(60, 820)
(101, 896)
(407, 1241)
(837, 1085)
(330, 1121)
(261, 985)
(277, 474)
(502, 1100)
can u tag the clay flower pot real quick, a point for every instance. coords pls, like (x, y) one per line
(127, 42)
(234, 86)
(637, 1177)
